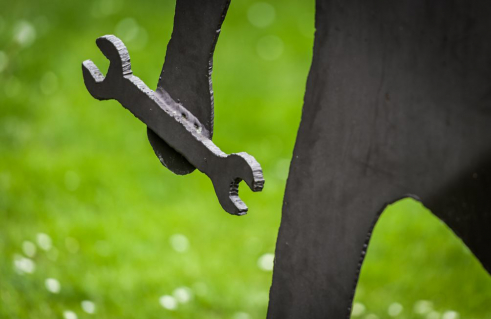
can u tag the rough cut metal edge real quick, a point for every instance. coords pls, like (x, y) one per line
(174, 124)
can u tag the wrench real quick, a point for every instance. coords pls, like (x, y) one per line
(172, 123)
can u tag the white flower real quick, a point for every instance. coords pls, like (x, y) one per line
(88, 306)
(395, 309)
(168, 302)
(423, 307)
(67, 314)
(44, 241)
(24, 33)
(450, 315)
(266, 262)
(358, 309)
(183, 294)
(52, 285)
(24, 265)
(179, 243)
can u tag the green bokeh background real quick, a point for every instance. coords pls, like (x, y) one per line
(83, 172)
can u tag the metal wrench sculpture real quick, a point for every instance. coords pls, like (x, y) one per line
(174, 124)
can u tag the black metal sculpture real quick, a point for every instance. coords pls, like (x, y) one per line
(181, 139)
(397, 105)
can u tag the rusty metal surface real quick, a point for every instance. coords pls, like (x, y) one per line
(398, 104)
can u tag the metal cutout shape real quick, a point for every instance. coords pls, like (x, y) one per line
(180, 139)
(397, 105)
(186, 74)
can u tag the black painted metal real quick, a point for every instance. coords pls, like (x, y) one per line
(174, 124)
(186, 74)
(398, 104)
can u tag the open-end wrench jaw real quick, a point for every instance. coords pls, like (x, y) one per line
(180, 129)
(106, 88)
(236, 168)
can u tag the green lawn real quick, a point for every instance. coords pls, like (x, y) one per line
(123, 232)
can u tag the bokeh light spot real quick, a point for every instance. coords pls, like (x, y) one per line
(395, 309)
(168, 302)
(23, 265)
(44, 241)
(450, 314)
(183, 294)
(29, 248)
(127, 29)
(68, 314)
(358, 309)
(24, 33)
(269, 47)
(134, 35)
(241, 315)
(266, 262)
(88, 306)
(261, 14)
(423, 307)
(179, 243)
(52, 285)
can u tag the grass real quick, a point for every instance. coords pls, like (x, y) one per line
(82, 172)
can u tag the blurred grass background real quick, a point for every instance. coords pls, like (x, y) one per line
(94, 227)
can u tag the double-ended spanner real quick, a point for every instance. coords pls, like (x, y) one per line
(180, 129)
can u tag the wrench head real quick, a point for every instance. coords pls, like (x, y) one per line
(108, 87)
(233, 169)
